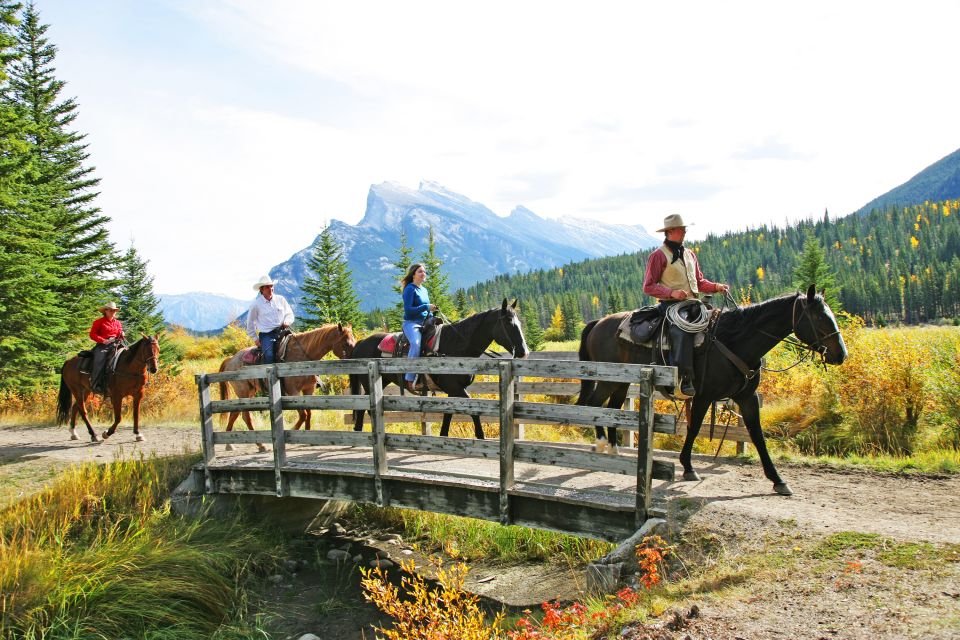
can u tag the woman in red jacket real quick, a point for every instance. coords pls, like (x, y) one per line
(107, 332)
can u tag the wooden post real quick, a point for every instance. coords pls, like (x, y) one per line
(424, 425)
(645, 448)
(276, 429)
(206, 430)
(518, 429)
(508, 387)
(378, 429)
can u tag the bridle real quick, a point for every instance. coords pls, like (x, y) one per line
(503, 327)
(816, 347)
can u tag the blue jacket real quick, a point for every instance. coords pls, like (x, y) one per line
(416, 303)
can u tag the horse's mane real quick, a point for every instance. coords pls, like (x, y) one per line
(313, 335)
(469, 324)
(740, 324)
(130, 351)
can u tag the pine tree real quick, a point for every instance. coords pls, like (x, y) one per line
(62, 185)
(532, 331)
(460, 304)
(437, 283)
(614, 301)
(812, 269)
(402, 263)
(328, 293)
(572, 318)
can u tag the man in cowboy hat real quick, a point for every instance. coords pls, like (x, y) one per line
(673, 274)
(269, 315)
(107, 332)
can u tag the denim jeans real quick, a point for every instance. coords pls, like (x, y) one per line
(413, 330)
(268, 343)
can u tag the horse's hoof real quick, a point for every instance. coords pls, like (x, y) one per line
(600, 446)
(140, 438)
(782, 488)
(104, 436)
(74, 436)
(229, 447)
(613, 450)
(95, 439)
(262, 447)
(691, 476)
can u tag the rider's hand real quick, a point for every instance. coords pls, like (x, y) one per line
(257, 342)
(434, 307)
(678, 294)
(723, 287)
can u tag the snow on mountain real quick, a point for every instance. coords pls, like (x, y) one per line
(200, 311)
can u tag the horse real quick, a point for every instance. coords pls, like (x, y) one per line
(128, 379)
(308, 345)
(467, 338)
(749, 333)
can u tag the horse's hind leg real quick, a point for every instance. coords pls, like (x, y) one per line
(601, 392)
(117, 406)
(615, 402)
(136, 418)
(750, 410)
(694, 421)
(80, 407)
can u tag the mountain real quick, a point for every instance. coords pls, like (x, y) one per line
(199, 311)
(938, 182)
(474, 243)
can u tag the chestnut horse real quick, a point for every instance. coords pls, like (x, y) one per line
(309, 345)
(128, 379)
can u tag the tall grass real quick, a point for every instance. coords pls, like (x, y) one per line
(98, 554)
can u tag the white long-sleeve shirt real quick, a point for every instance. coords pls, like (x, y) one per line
(266, 315)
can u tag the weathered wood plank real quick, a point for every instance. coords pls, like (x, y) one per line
(583, 458)
(341, 403)
(242, 437)
(614, 372)
(276, 429)
(330, 438)
(461, 447)
(645, 449)
(378, 430)
(507, 403)
(206, 429)
(435, 404)
(240, 404)
(258, 372)
(322, 368)
(439, 365)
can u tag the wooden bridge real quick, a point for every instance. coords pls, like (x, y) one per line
(549, 485)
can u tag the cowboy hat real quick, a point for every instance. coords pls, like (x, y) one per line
(673, 221)
(110, 305)
(264, 281)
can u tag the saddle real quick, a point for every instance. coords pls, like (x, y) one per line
(396, 345)
(254, 355)
(100, 380)
(646, 327)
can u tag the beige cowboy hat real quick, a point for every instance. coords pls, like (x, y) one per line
(264, 281)
(110, 305)
(673, 221)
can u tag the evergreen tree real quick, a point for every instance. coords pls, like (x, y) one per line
(402, 263)
(437, 283)
(572, 318)
(813, 269)
(328, 293)
(460, 304)
(62, 186)
(530, 322)
(614, 301)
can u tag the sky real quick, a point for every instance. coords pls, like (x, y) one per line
(227, 133)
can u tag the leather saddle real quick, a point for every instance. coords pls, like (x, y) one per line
(254, 355)
(396, 345)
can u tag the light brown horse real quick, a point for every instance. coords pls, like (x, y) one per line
(128, 379)
(309, 345)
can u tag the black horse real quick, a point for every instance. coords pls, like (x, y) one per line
(467, 338)
(749, 333)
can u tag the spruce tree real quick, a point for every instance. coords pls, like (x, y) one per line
(328, 293)
(614, 301)
(395, 314)
(460, 305)
(437, 283)
(62, 185)
(529, 320)
(812, 269)
(572, 317)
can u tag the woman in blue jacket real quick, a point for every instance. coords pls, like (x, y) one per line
(416, 310)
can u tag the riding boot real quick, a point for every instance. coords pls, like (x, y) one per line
(681, 357)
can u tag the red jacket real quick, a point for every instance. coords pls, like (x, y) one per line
(104, 329)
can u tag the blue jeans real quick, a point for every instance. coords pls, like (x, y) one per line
(268, 343)
(413, 330)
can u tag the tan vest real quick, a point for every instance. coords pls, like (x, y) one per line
(680, 274)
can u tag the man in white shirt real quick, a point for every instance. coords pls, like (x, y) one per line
(269, 314)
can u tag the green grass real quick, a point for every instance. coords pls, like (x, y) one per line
(893, 553)
(98, 554)
(935, 461)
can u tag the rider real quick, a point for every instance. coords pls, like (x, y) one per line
(269, 314)
(107, 332)
(673, 274)
(416, 311)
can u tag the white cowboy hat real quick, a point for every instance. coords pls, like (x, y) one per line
(263, 282)
(110, 305)
(673, 221)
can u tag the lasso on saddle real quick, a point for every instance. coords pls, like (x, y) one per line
(646, 327)
(396, 345)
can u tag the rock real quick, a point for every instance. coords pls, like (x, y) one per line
(337, 529)
(603, 578)
(390, 537)
(338, 555)
(290, 565)
(406, 552)
(357, 559)
(276, 579)
(303, 564)
(308, 636)
(694, 612)
(382, 563)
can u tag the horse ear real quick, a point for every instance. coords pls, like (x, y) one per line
(145, 336)
(504, 306)
(340, 326)
(514, 305)
(811, 292)
(823, 292)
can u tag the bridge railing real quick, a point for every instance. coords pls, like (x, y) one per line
(506, 409)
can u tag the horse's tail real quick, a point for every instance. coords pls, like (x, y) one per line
(64, 401)
(224, 387)
(586, 386)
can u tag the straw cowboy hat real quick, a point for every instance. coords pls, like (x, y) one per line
(110, 305)
(264, 281)
(673, 221)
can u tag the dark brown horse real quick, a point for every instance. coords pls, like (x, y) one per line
(749, 333)
(128, 380)
(309, 345)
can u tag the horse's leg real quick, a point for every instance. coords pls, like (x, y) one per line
(117, 401)
(81, 408)
(694, 420)
(602, 391)
(750, 410)
(356, 386)
(445, 425)
(615, 402)
(136, 417)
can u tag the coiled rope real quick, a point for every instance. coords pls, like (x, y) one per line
(673, 315)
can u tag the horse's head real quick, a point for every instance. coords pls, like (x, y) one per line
(508, 333)
(344, 341)
(149, 351)
(815, 325)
